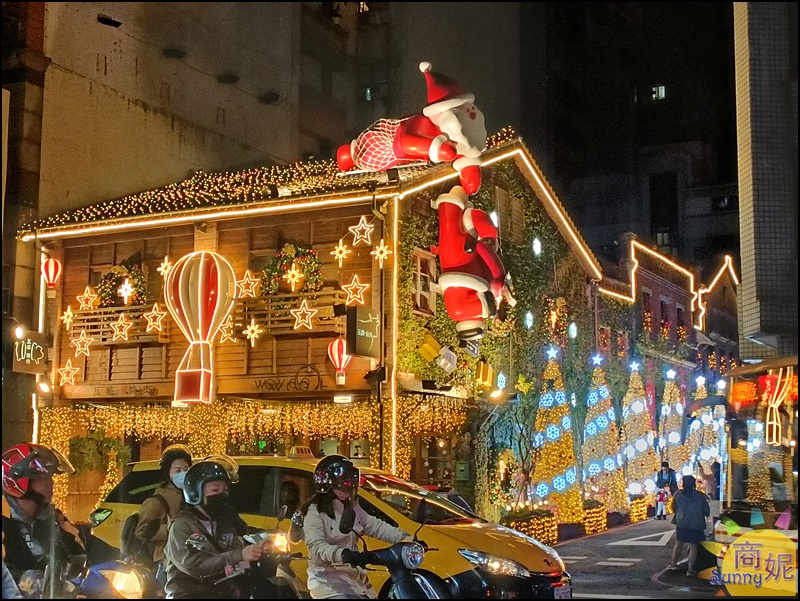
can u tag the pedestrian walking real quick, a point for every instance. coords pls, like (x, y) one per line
(691, 510)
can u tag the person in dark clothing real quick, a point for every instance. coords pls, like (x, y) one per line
(35, 533)
(666, 478)
(203, 546)
(691, 510)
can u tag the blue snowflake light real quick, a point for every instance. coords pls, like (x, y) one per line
(542, 489)
(553, 433)
(559, 483)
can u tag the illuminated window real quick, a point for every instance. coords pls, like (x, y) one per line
(424, 276)
(658, 92)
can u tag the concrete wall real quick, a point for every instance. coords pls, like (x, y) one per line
(120, 117)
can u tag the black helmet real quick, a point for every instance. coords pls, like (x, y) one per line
(170, 454)
(336, 472)
(200, 473)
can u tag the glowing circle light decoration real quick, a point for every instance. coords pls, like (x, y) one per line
(200, 292)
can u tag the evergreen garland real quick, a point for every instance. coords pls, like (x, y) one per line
(306, 261)
(108, 288)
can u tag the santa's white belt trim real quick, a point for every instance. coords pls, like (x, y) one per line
(462, 162)
(459, 279)
(436, 145)
(456, 196)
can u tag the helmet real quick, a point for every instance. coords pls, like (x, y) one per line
(200, 473)
(28, 460)
(228, 463)
(170, 454)
(336, 472)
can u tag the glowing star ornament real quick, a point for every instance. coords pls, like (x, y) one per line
(67, 317)
(154, 319)
(126, 291)
(597, 360)
(81, 344)
(303, 315)
(634, 366)
(88, 300)
(340, 252)
(671, 374)
(121, 328)
(552, 353)
(362, 232)
(293, 276)
(253, 331)
(226, 330)
(355, 291)
(166, 265)
(67, 374)
(247, 285)
(381, 253)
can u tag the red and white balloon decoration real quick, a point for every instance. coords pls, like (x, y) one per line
(337, 351)
(51, 271)
(200, 292)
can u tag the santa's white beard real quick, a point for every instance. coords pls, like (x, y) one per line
(468, 134)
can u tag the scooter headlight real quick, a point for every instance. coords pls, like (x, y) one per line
(280, 542)
(127, 584)
(412, 555)
(494, 564)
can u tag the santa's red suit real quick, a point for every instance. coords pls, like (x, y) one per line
(450, 128)
(473, 278)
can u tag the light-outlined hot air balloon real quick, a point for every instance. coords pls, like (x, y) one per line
(337, 351)
(200, 293)
(51, 271)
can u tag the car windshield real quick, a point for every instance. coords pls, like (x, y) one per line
(415, 502)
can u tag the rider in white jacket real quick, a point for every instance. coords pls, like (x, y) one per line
(336, 567)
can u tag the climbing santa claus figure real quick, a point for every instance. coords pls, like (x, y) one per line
(473, 278)
(450, 128)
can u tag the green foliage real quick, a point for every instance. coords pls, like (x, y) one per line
(526, 514)
(112, 280)
(306, 261)
(91, 452)
(592, 504)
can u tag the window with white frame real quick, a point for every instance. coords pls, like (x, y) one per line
(424, 276)
(658, 92)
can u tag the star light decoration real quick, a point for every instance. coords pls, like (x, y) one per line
(303, 315)
(671, 374)
(247, 285)
(126, 291)
(253, 331)
(67, 317)
(88, 299)
(67, 373)
(381, 253)
(121, 328)
(154, 319)
(355, 291)
(634, 366)
(362, 232)
(166, 265)
(293, 276)
(552, 353)
(81, 344)
(340, 252)
(597, 359)
(226, 330)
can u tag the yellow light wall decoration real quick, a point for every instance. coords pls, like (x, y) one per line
(638, 450)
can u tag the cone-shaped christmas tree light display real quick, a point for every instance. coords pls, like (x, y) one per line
(602, 460)
(703, 439)
(554, 475)
(638, 437)
(675, 453)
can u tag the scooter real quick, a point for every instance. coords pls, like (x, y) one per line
(403, 560)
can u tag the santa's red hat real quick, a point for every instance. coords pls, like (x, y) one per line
(443, 93)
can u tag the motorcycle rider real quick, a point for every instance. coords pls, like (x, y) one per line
(35, 533)
(203, 546)
(166, 502)
(336, 480)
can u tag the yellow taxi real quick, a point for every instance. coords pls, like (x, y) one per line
(476, 558)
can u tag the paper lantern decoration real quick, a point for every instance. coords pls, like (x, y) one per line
(200, 292)
(51, 271)
(337, 351)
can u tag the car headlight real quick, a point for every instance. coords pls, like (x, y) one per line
(127, 584)
(412, 555)
(494, 564)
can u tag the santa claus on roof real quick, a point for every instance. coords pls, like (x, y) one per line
(450, 128)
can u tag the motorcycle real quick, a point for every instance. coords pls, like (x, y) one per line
(402, 560)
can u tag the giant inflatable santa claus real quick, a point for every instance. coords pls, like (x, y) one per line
(473, 279)
(450, 128)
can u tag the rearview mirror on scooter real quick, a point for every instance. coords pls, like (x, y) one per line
(282, 513)
(348, 520)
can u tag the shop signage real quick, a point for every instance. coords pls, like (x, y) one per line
(363, 332)
(30, 353)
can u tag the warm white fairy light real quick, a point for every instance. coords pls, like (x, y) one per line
(126, 291)
(340, 252)
(381, 253)
(293, 276)
(303, 315)
(67, 316)
(67, 373)
(247, 285)
(253, 331)
(362, 232)
(81, 344)
(166, 265)
(355, 291)
(154, 318)
(88, 300)
(121, 328)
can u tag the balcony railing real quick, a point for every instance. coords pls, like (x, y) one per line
(98, 322)
(273, 313)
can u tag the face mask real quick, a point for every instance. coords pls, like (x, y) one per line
(216, 503)
(177, 479)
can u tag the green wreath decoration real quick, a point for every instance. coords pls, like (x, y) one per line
(304, 258)
(109, 286)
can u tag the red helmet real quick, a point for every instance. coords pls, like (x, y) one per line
(27, 460)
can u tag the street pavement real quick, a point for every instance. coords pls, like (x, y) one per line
(629, 562)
